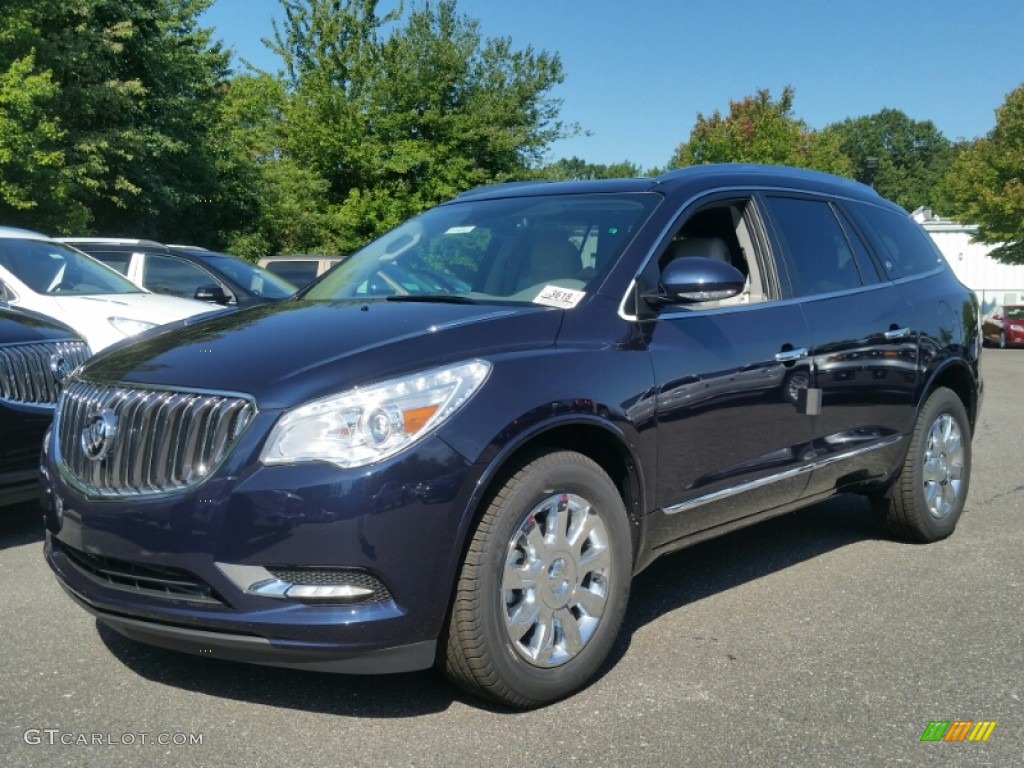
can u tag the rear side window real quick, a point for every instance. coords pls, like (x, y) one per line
(115, 260)
(819, 255)
(903, 247)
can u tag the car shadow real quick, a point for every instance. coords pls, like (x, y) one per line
(670, 583)
(21, 524)
(743, 556)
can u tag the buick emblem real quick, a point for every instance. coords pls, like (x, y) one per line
(98, 435)
(60, 367)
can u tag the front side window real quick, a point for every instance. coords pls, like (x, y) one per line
(820, 257)
(54, 269)
(173, 276)
(505, 250)
(256, 280)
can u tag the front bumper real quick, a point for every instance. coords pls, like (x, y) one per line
(171, 571)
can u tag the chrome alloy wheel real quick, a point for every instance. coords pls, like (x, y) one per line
(555, 583)
(943, 466)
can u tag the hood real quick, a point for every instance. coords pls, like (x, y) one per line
(288, 353)
(149, 307)
(23, 326)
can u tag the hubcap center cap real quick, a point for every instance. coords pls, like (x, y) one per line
(556, 577)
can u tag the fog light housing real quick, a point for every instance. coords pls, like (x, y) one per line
(321, 585)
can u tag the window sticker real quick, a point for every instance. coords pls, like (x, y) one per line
(563, 298)
(459, 230)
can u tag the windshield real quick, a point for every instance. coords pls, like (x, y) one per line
(255, 279)
(508, 250)
(1014, 313)
(54, 269)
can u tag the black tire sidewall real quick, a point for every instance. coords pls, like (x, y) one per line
(554, 473)
(942, 401)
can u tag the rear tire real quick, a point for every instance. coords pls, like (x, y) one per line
(544, 585)
(927, 498)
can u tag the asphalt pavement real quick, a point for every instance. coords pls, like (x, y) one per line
(808, 640)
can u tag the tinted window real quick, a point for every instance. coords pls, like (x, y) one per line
(300, 273)
(166, 274)
(256, 280)
(868, 270)
(114, 260)
(820, 257)
(903, 247)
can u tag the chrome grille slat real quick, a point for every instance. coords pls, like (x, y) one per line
(166, 441)
(25, 374)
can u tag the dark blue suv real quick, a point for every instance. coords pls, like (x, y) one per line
(460, 445)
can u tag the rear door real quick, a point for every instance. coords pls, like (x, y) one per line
(863, 340)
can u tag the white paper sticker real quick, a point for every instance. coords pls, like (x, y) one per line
(563, 298)
(459, 230)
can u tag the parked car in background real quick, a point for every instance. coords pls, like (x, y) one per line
(1005, 327)
(187, 271)
(461, 444)
(300, 269)
(36, 355)
(46, 276)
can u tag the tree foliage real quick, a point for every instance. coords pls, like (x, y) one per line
(575, 168)
(394, 114)
(903, 159)
(125, 127)
(985, 185)
(758, 129)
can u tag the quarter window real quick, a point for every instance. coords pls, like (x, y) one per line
(903, 247)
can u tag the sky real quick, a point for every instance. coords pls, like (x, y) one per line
(638, 72)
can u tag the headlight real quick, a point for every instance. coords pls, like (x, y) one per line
(130, 327)
(368, 424)
(1017, 328)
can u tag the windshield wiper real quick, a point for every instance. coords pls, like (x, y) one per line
(440, 298)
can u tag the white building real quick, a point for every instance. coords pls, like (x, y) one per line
(994, 283)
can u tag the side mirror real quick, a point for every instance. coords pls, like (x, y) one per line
(212, 293)
(693, 279)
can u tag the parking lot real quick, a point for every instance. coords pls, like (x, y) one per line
(809, 640)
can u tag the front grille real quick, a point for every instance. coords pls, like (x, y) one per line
(154, 580)
(333, 577)
(155, 441)
(32, 373)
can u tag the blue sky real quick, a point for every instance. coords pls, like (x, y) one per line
(638, 71)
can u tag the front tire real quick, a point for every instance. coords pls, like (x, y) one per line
(927, 498)
(1002, 339)
(544, 585)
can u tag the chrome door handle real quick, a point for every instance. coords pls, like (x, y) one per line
(790, 355)
(896, 334)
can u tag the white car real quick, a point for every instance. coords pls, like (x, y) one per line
(40, 274)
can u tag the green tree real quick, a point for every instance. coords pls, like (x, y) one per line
(136, 86)
(32, 180)
(760, 130)
(985, 185)
(904, 159)
(395, 114)
(572, 168)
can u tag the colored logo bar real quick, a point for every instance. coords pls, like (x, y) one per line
(958, 730)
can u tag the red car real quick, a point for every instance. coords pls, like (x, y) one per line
(1005, 327)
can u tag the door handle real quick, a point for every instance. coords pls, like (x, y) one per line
(895, 334)
(790, 355)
